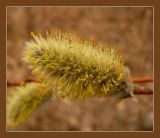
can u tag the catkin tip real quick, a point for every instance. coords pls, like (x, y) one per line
(23, 100)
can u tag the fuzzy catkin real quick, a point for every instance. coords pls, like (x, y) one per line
(76, 68)
(23, 100)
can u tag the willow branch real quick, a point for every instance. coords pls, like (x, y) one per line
(142, 79)
(137, 90)
(143, 91)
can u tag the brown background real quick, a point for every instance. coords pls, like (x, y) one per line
(2, 36)
(129, 29)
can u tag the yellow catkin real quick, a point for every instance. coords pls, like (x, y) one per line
(76, 68)
(23, 100)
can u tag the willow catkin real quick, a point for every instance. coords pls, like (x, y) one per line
(77, 68)
(23, 100)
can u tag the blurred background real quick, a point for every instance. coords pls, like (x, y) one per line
(130, 29)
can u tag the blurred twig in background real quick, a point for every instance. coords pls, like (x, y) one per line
(137, 91)
(142, 79)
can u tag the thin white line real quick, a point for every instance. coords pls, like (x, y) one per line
(153, 75)
(80, 131)
(82, 6)
(6, 67)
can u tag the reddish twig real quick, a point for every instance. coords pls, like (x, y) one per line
(18, 82)
(142, 79)
(137, 90)
(142, 91)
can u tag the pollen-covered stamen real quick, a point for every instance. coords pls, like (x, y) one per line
(79, 68)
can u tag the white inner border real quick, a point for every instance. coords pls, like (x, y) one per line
(82, 131)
